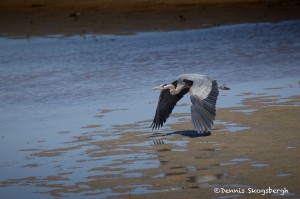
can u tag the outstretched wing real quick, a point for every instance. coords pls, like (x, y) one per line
(204, 97)
(165, 106)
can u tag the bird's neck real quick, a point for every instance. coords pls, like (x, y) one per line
(172, 89)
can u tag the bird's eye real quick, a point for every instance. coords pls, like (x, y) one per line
(188, 82)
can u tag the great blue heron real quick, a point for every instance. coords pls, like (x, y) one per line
(203, 93)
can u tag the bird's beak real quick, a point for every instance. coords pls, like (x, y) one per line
(223, 87)
(157, 88)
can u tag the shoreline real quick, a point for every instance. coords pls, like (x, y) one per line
(40, 18)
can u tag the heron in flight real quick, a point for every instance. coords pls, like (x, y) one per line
(203, 93)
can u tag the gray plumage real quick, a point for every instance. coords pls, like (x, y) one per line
(203, 94)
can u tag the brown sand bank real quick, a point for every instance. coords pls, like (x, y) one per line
(262, 156)
(45, 17)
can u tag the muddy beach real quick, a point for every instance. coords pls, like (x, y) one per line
(42, 17)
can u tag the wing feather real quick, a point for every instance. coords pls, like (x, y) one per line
(197, 122)
(204, 105)
(166, 104)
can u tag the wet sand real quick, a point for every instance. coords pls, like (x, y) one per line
(42, 17)
(138, 164)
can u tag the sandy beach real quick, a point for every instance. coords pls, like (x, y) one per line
(42, 17)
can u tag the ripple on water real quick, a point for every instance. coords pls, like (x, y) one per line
(240, 159)
(283, 174)
(260, 165)
(234, 161)
(231, 126)
(227, 163)
(246, 111)
(290, 147)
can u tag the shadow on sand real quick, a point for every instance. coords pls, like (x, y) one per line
(187, 133)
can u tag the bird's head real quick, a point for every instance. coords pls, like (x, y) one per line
(163, 87)
(224, 87)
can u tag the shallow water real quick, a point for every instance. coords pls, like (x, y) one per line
(61, 84)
